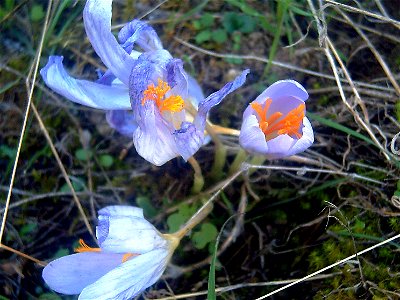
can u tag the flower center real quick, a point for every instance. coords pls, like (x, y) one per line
(85, 248)
(277, 124)
(157, 93)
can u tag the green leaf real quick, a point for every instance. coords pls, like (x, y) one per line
(60, 253)
(248, 24)
(219, 36)
(202, 36)
(175, 221)
(106, 160)
(37, 13)
(196, 24)
(207, 233)
(77, 184)
(148, 208)
(207, 20)
(83, 154)
(49, 296)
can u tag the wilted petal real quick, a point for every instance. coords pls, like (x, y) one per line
(81, 91)
(122, 121)
(216, 98)
(139, 32)
(130, 278)
(188, 140)
(71, 274)
(97, 20)
(195, 93)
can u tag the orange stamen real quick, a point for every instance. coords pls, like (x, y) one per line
(157, 94)
(85, 248)
(277, 124)
(128, 256)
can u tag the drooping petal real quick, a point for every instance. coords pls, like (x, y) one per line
(121, 211)
(195, 92)
(122, 121)
(71, 274)
(139, 32)
(97, 20)
(216, 98)
(285, 89)
(188, 140)
(127, 234)
(130, 278)
(84, 92)
(251, 137)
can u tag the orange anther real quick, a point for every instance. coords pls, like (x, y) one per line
(277, 124)
(157, 94)
(127, 256)
(85, 248)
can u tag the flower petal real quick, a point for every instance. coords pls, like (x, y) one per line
(284, 145)
(130, 278)
(251, 137)
(195, 92)
(216, 98)
(188, 140)
(283, 88)
(122, 121)
(71, 274)
(127, 234)
(81, 91)
(121, 211)
(140, 33)
(97, 20)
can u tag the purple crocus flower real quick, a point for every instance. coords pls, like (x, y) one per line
(274, 124)
(132, 256)
(146, 94)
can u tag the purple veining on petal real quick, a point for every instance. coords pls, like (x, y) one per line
(140, 33)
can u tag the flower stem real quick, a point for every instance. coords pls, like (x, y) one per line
(220, 153)
(196, 219)
(198, 180)
(241, 157)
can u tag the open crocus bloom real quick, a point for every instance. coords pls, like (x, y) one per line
(146, 94)
(132, 256)
(274, 124)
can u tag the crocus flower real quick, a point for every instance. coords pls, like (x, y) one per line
(274, 124)
(132, 255)
(146, 94)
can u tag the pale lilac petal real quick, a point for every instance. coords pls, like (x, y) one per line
(138, 32)
(284, 145)
(153, 139)
(177, 78)
(97, 20)
(251, 138)
(130, 278)
(121, 211)
(305, 141)
(188, 140)
(195, 92)
(127, 234)
(215, 98)
(122, 121)
(81, 91)
(71, 274)
(283, 88)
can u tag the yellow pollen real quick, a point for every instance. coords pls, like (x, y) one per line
(157, 93)
(85, 248)
(277, 124)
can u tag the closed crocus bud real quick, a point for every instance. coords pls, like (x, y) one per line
(132, 256)
(274, 124)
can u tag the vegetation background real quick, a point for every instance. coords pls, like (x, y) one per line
(286, 218)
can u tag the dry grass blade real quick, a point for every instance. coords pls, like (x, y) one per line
(31, 88)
